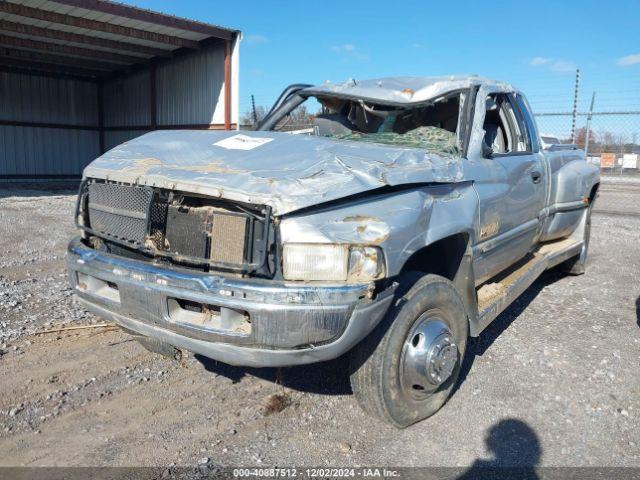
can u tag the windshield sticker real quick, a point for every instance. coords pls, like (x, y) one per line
(242, 142)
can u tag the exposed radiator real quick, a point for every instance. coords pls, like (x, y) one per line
(207, 232)
(228, 238)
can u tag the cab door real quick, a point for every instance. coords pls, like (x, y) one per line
(511, 188)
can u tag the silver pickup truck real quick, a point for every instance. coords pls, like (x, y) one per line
(409, 216)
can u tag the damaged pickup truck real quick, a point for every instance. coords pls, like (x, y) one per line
(411, 214)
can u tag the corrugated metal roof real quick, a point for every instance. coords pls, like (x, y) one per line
(58, 41)
(140, 34)
(83, 31)
(85, 10)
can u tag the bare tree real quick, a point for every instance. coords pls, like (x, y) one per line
(247, 118)
(301, 117)
(298, 118)
(581, 137)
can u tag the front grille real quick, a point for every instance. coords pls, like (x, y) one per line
(191, 231)
(119, 211)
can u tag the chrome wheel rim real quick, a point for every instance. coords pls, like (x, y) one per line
(429, 356)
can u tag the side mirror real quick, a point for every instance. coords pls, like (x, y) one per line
(487, 151)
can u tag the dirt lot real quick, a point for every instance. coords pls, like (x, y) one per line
(554, 381)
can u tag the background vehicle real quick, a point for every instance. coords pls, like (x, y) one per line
(419, 210)
(547, 141)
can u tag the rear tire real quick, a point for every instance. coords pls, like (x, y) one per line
(405, 370)
(577, 265)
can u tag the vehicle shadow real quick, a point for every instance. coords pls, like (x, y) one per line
(515, 450)
(638, 311)
(326, 378)
(478, 346)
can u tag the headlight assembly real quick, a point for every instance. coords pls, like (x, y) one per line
(329, 262)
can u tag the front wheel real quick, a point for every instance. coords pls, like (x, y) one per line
(406, 369)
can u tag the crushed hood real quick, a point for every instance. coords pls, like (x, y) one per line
(287, 172)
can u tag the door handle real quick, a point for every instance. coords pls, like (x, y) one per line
(536, 176)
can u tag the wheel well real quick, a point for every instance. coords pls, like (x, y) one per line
(442, 257)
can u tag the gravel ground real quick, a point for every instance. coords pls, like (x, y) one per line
(553, 381)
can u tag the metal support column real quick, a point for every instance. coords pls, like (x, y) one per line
(101, 117)
(153, 100)
(227, 85)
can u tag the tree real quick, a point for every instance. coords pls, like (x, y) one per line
(298, 118)
(581, 137)
(247, 118)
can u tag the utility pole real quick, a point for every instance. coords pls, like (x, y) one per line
(586, 140)
(575, 107)
(253, 110)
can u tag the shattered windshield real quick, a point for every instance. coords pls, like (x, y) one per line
(430, 127)
(433, 139)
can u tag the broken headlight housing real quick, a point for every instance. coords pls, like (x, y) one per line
(331, 262)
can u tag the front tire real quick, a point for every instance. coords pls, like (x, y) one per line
(578, 264)
(405, 370)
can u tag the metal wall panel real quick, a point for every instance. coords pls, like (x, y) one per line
(115, 138)
(190, 88)
(33, 151)
(190, 91)
(35, 98)
(126, 101)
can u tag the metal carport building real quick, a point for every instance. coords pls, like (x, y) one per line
(78, 77)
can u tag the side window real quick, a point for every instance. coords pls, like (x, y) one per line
(532, 131)
(505, 130)
(494, 129)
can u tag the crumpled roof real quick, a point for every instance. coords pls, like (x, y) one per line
(285, 171)
(400, 90)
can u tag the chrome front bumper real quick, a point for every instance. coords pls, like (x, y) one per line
(290, 323)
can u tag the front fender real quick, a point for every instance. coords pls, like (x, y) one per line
(401, 223)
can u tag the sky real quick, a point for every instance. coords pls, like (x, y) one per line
(535, 45)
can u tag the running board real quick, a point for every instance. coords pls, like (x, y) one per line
(499, 292)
